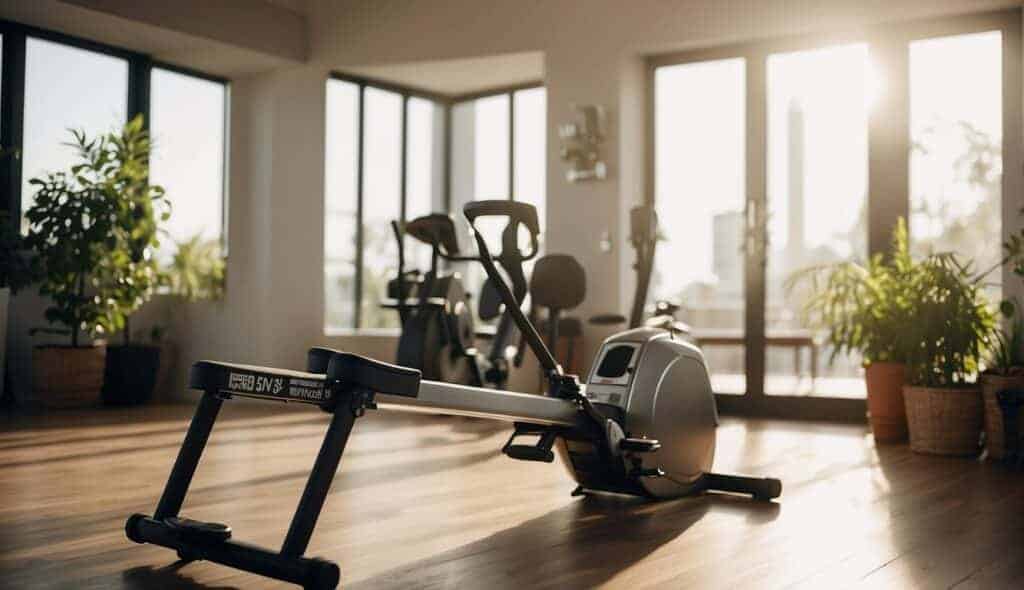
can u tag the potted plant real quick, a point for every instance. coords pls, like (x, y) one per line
(130, 272)
(1005, 367)
(949, 325)
(1004, 371)
(73, 230)
(863, 308)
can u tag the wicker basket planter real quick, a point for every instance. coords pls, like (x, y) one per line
(944, 421)
(995, 441)
(68, 377)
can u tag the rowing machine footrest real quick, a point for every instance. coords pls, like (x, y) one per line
(199, 530)
(639, 445)
(536, 452)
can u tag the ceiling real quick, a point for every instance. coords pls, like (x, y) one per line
(460, 76)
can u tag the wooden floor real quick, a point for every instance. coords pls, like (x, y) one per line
(429, 502)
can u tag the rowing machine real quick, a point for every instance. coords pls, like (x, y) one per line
(644, 425)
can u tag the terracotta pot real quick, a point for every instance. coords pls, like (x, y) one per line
(944, 421)
(68, 377)
(886, 409)
(995, 441)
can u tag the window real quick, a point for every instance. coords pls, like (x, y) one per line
(341, 184)
(387, 159)
(371, 181)
(808, 156)
(78, 84)
(187, 126)
(66, 88)
(499, 148)
(424, 169)
(699, 162)
(382, 202)
(817, 200)
(956, 129)
(529, 182)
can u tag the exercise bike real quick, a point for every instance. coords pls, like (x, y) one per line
(438, 329)
(644, 424)
(643, 236)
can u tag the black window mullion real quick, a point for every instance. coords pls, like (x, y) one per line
(139, 75)
(12, 111)
(358, 312)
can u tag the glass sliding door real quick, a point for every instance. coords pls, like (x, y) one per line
(817, 164)
(774, 157)
(699, 172)
(956, 116)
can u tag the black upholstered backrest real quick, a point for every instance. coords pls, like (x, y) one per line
(558, 282)
(489, 306)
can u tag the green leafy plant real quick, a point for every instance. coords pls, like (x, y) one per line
(950, 323)
(94, 228)
(1007, 350)
(130, 272)
(1007, 346)
(863, 307)
(196, 271)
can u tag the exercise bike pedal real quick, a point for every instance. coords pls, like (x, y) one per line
(639, 445)
(199, 530)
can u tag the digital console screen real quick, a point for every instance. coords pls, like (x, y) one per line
(615, 362)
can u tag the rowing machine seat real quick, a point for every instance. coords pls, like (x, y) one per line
(373, 375)
(368, 373)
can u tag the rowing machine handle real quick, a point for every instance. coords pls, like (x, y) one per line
(761, 488)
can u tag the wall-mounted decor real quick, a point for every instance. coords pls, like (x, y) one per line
(581, 144)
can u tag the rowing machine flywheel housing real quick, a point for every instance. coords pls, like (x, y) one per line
(652, 386)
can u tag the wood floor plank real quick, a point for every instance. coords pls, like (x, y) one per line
(429, 502)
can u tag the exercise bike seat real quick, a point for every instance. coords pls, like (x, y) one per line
(436, 230)
(367, 373)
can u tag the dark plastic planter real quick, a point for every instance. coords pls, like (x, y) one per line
(130, 375)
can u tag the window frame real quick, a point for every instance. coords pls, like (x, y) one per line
(888, 186)
(447, 103)
(140, 67)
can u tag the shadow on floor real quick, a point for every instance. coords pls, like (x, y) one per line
(582, 545)
(147, 578)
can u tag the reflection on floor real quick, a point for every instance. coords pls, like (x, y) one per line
(429, 502)
(841, 387)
